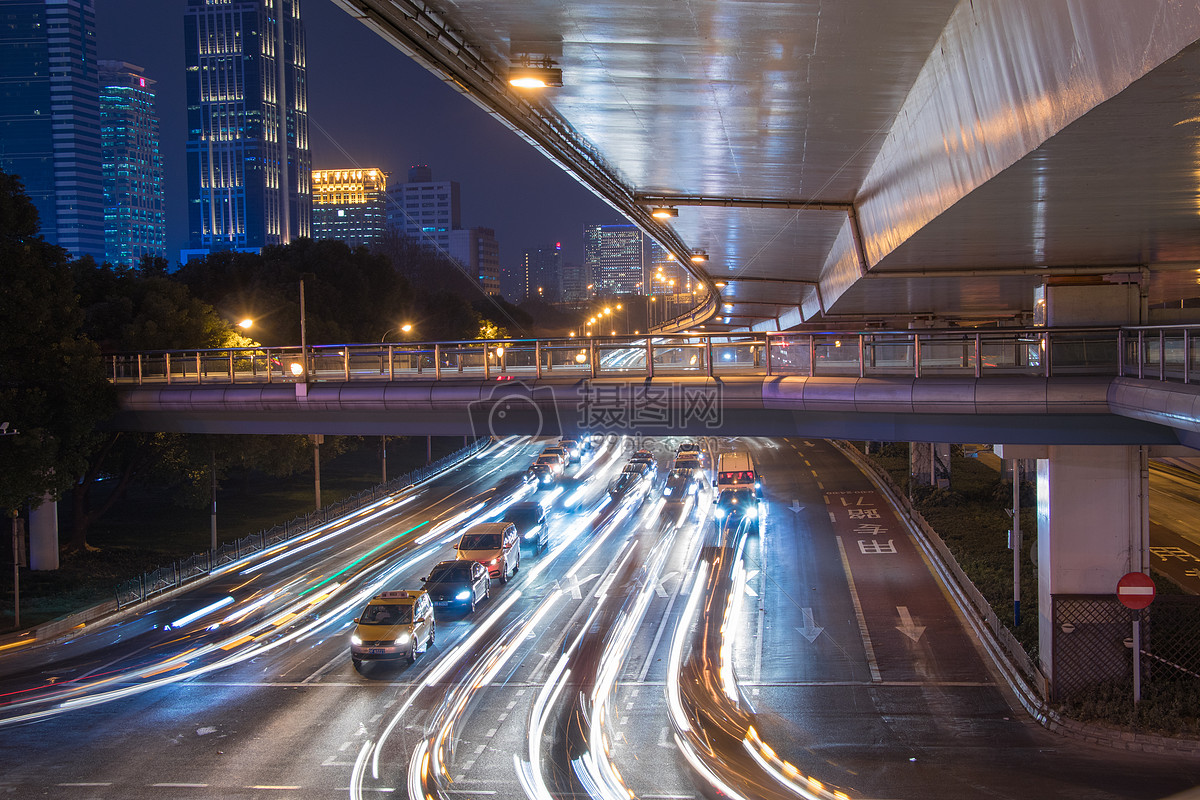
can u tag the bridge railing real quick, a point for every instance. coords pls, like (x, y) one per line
(1160, 352)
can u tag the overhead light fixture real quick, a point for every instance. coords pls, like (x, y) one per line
(699, 256)
(729, 306)
(664, 212)
(720, 284)
(534, 73)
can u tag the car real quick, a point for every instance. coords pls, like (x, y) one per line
(558, 452)
(555, 461)
(640, 468)
(461, 584)
(625, 483)
(737, 506)
(572, 447)
(689, 447)
(542, 474)
(495, 545)
(395, 624)
(644, 457)
(687, 461)
(530, 520)
(681, 484)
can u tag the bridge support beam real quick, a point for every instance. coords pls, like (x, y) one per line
(1093, 527)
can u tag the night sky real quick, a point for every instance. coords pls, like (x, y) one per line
(383, 110)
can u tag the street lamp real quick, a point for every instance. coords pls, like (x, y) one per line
(246, 324)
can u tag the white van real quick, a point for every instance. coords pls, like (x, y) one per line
(735, 470)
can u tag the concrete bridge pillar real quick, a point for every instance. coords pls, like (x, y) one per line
(929, 464)
(1093, 518)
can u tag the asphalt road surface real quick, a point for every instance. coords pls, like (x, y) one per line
(649, 652)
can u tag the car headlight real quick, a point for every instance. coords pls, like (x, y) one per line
(403, 638)
(355, 640)
(493, 561)
(751, 512)
(464, 595)
(719, 513)
(667, 492)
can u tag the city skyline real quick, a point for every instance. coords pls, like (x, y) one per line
(507, 185)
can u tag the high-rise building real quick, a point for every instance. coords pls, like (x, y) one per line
(478, 251)
(424, 210)
(664, 274)
(135, 222)
(543, 273)
(613, 256)
(248, 159)
(576, 283)
(349, 205)
(50, 117)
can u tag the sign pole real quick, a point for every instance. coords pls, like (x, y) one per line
(1137, 657)
(1136, 591)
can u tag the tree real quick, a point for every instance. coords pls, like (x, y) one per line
(53, 389)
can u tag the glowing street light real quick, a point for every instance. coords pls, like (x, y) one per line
(246, 324)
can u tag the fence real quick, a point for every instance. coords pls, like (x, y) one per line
(1093, 645)
(172, 576)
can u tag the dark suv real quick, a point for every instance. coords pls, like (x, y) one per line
(530, 519)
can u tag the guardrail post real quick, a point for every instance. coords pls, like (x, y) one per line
(1121, 352)
(437, 362)
(232, 377)
(862, 355)
(708, 355)
(767, 353)
(392, 362)
(1047, 356)
(1187, 356)
(1141, 353)
(537, 357)
(346, 363)
(1162, 355)
(167, 361)
(916, 355)
(487, 372)
(592, 356)
(139, 369)
(978, 356)
(199, 377)
(812, 356)
(649, 357)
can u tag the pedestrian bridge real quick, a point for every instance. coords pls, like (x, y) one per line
(1130, 385)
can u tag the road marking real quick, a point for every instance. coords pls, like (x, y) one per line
(328, 665)
(502, 717)
(480, 749)
(858, 612)
(345, 746)
(906, 625)
(832, 518)
(179, 785)
(810, 630)
(281, 788)
(83, 784)
(333, 762)
(664, 740)
(491, 733)
(806, 463)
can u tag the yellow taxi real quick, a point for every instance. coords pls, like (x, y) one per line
(395, 624)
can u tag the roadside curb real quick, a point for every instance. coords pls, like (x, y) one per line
(1028, 696)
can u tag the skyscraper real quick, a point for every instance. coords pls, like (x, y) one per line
(424, 210)
(478, 251)
(50, 117)
(613, 257)
(543, 273)
(248, 159)
(576, 282)
(349, 205)
(134, 216)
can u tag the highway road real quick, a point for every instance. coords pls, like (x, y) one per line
(648, 653)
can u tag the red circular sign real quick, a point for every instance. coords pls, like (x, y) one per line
(1135, 590)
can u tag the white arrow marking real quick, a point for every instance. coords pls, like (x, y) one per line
(906, 625)
(796, 507)
(750, 573)
(810, 630)
(661, 588)
(576, 583)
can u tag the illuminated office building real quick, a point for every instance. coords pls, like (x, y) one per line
(50, 117)
(134, 217)
(542, 272)
(248, 159)
(349, 205)
(613, 257)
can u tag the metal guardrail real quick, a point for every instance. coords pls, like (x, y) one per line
(1162, 353)
(178, 573)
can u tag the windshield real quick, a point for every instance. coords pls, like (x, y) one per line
(522, 517)
(386, 615)
(480, 541)
(454, 572)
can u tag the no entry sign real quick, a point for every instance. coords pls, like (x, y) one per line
(1135, 590)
